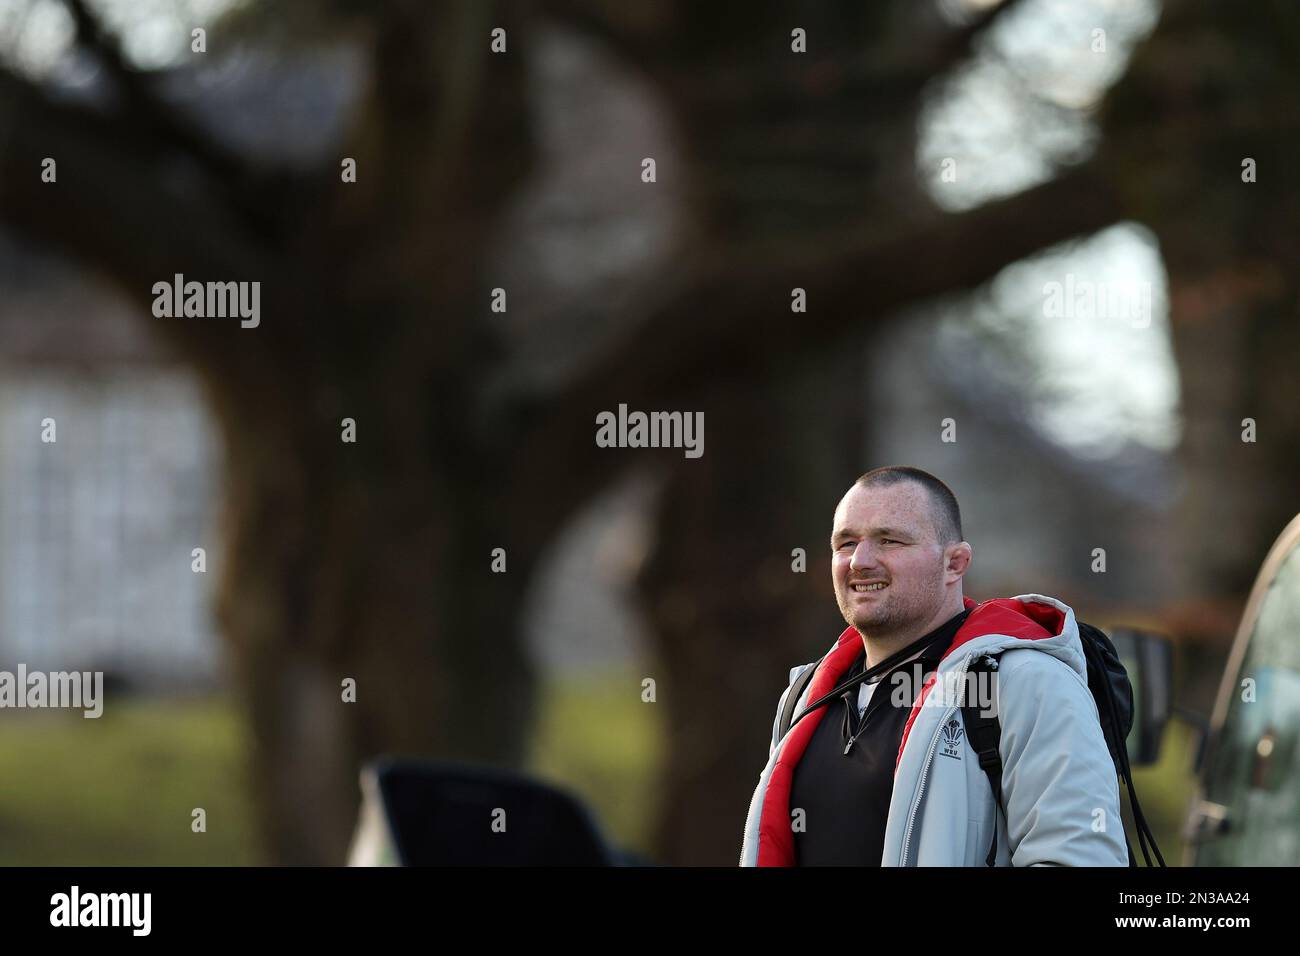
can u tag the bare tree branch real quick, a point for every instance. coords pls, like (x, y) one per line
(646, 41)
(124, 205)
(732, 317)
(144, 108)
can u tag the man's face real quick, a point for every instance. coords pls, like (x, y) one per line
(886, 536)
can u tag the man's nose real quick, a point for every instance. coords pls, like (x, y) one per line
(864, 556)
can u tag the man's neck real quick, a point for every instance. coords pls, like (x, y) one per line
(881, 646)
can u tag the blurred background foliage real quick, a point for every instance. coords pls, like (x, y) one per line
(1118, 167)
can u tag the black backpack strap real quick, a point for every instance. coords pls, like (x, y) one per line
(1115, 726)
(985, 734)
(792, 699)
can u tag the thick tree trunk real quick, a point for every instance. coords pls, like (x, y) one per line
(335, 572)
(1230, 248)
(370, 560)
(729, 612)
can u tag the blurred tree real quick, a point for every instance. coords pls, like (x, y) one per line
(1212, 88)
(372, 560)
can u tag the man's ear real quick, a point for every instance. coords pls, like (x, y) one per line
(958, 561)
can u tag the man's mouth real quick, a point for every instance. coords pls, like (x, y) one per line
(868, 586)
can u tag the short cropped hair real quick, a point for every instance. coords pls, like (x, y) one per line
(944, 509)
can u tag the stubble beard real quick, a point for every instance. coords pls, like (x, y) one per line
(889, 617)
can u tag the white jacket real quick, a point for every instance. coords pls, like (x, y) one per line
(1059, 786)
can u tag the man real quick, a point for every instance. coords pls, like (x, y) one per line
(883, 776)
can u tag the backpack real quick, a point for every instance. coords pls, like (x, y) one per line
(1113, 694)
(1111, 690)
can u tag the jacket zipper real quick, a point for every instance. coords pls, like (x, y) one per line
(860, 722)
(925, 770)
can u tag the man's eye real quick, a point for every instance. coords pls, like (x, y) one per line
(889, 541)
(844, 544)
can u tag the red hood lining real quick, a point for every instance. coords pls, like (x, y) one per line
(1024, 619)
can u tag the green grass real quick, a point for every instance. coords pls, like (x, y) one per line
(119, 790)
(1165, 790)
(596, 738)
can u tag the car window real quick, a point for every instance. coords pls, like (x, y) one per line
(1255, 768)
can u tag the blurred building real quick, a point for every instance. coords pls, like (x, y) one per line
(97, 527)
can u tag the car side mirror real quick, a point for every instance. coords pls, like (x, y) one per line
(418, 812)
(1148, 658)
